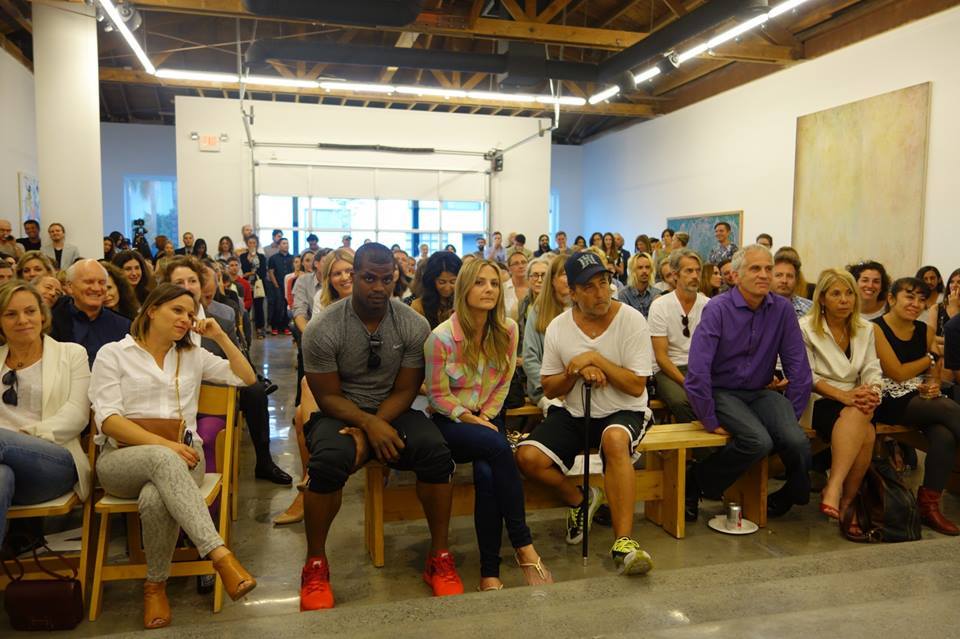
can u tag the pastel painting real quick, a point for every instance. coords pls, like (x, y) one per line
(861, 172)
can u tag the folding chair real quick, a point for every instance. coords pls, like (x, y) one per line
(214, 400)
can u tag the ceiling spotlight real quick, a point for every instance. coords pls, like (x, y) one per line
(127, 12)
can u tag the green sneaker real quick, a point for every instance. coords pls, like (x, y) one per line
(574, 525)
(629, 558)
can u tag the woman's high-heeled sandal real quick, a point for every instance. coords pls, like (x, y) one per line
(156, 607)
(535, 574)
(236, 580)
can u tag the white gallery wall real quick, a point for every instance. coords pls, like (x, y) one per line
(214, 188)
(18, 135)
(566, 186)
(736, 151)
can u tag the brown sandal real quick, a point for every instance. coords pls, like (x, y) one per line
(156, 607)
(236, 580)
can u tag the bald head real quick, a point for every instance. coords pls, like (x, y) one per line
(83, 267)
(6, 229)
(87, 285)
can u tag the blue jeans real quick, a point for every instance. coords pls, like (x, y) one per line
(32, 471)
(497, 485)
(760, 422)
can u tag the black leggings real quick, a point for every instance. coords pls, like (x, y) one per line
(939, 420)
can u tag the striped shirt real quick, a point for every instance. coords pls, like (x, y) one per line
(455, 390)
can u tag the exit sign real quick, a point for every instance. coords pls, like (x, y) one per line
(210, 143)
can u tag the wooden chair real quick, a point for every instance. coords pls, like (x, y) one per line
(62, 505)
(234, 497)
(214, 400)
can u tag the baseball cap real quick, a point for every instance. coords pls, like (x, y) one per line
(580, 267)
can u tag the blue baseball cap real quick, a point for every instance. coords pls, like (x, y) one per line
(580, 267)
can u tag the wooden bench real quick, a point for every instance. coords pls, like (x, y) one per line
(661, 486)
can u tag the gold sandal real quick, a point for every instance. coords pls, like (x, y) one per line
(535, 574)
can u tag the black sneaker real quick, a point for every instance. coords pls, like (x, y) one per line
(779, 503)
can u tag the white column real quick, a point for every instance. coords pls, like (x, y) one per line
(67, 83)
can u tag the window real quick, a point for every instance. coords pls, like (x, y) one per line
(407, 223)
(152, 199)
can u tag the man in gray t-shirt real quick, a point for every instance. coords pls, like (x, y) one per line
(363, 358)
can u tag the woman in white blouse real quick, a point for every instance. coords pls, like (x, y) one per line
(44, 405)
(156, 372)
(846, 384)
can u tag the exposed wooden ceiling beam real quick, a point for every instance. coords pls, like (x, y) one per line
(15, 52)
(552, 11)
(676, 7)
(755, 52)
(14, 12)
(436, 23)
(127, 76)
(514, 9)
(619, 12)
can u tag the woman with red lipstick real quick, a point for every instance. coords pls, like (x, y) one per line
(155, 372)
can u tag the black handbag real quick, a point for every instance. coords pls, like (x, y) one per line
(43, 604)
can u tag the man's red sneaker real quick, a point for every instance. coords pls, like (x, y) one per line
(441, 575)
(315, 591)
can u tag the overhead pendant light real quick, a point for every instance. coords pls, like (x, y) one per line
(606, 94)
(431, 91)
(212, 76)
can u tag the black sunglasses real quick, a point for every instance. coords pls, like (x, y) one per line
(686, 325)
(10, 395)
(373, 357)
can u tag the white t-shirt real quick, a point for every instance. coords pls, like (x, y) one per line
(666, 320)
(626, 343)
(29, 398)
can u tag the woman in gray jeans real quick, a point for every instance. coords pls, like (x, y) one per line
(156, 372)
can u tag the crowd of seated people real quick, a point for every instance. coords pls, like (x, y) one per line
(737, 340)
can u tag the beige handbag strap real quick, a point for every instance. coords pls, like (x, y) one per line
(177, 384)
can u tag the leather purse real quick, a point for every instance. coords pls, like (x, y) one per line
(170, 429)
(43, 604)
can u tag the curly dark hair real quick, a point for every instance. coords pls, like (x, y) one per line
(147, 283)
(869, 265)
(127, 304)
(439, 262)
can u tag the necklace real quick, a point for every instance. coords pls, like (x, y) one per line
(32, 355)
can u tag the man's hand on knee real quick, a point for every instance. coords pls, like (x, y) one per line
(360, 442)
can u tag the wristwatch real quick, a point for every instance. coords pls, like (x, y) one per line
(933, 358)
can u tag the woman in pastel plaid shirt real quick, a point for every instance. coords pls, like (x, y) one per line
(470, 359)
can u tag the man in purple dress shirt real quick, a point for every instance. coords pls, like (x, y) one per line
(730, 381)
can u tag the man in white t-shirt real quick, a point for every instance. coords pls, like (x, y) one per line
(605, 343)
(673, 318)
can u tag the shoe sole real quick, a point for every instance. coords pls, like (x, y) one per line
(591, 511)
(637, 562)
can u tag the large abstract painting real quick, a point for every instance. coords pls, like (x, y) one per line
(861, 173)
(700, 229)
(29, 197)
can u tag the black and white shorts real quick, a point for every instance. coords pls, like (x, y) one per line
(560, 435)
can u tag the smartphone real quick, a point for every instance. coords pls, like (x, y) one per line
(188, 437)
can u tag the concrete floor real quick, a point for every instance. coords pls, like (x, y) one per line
(395, 597)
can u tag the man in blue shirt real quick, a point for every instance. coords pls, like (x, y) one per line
(724, 249)
(80, 316)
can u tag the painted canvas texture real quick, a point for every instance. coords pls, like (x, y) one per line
(700, 229)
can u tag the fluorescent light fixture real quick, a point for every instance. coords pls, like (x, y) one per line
(567, 99)
(121, 26)
(606, 94)
(359, 87)
(649, 74)
(201, 76)
(502, 97)
(737, 31)
(269, 80)
(692, 53)
(783, 7)
(442, 93)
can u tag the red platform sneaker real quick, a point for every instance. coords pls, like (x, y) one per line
(315, 591)
(441, 575)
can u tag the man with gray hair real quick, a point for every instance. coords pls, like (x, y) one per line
(80, 316)
(733, 355)
(673, 319)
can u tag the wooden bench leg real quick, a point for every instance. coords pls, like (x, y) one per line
(750, 491)
(653, 460)
(96, 590)
(674, 492)
(373, 519)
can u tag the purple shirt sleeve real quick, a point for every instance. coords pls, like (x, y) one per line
(796, 366)
(703, 348)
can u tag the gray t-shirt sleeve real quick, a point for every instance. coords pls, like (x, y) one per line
(319, 344)
(415, 330)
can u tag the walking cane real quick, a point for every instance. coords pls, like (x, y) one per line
(585, 506)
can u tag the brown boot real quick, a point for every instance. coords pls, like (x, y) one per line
(236, 580)
(156, 607)
(929, 502)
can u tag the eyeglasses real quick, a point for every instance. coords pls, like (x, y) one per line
(537, 276)
(373, 356)
(685, 319)
(10, 395)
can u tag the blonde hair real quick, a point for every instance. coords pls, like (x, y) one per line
(632, 265)
(547, 305)
(599, 253)
(494, 334)
(827, 279)
(328, 294)
(35, 255)
(11, 288)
